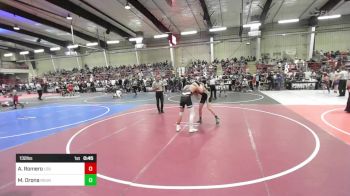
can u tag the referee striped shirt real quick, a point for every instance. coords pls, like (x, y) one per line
(157, 86)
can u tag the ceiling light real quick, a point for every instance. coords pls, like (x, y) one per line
(188, 32)
(69, 53)
(217, 29)
(139, 45)
(16, 28)
(288, 21)
(250, 25)
(328, 17)
(113, 42)
(69, 17)
(254, 33)
(8, 54)
(248, 43)
(92, 44)
(72, 46)
(39, 51)
(24, 52)
(161, 36)
(136, 39)
(127, 6)
(55, 49)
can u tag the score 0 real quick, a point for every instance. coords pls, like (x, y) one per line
(90, 173)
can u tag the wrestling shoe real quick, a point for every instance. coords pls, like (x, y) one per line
(178, 128)
(192, 130)
(217, 120)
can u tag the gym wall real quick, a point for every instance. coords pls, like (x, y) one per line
(231, 49)
(282, 43)
(94, 59)
(184, 55)
(124, 58)
(335, 37)
(67, 63)
(273, 42)
(154, 55)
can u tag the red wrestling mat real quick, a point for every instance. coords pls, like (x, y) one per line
(23, 96)
(256, 150)
(332, 119)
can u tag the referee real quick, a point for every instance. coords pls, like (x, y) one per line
(39, 90)
(158, 86)
(342, 83)
(212, 85)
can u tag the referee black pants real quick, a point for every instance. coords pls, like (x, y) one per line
(134, 88)
(40, 93)
(212, 90)
(160, 98)
(342, 87)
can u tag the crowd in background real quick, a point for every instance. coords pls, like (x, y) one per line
(324, 71)
(129, 78)
(331, 55)
(229, 74)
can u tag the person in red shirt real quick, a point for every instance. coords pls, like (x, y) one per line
(70, 89)
(15, 100)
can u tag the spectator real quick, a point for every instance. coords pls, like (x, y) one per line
(15, 100)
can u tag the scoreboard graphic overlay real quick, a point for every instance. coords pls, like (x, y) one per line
(56, 170)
